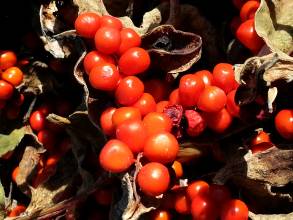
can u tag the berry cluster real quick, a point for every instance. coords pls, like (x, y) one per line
(11, 76)
(212, 95)
(202, 201)
(117, 58)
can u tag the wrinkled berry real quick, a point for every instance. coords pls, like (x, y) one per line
(196, 123)
(175, 112)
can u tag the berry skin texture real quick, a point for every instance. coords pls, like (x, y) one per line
(107, 40)
(132, 133)
(7, 59)
(106, 121)
(47, 138)
(196, 123)
(232, 107)
(129, 39)
(87, 24)
(129, 90)
(219, 122)
(224, 77)
(104, 77)
(156, 122)
(6, 90)
(145, 104)
(161, 147)
(13, 75)
(234, 209)
(284, 123)
(260, 137)
(182, 203)
(212, 99)
(247, 35)
(197, 188)
(134, 61)
(174, 97)
(161, 106)
(110, 21)
(206, 76)
(115, 156)
(95, 58)
(153, 179)
(261, 147)
(190, 88)
(203, 208)
(157, 88)
(125, 113)
(37, 121)
(160, 214)
(248, 10)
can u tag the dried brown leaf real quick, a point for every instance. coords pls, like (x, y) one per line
(258, 76)
(38, 79)
(27, 165)
(263, 175)
(94, 101)
(172, 50)
(274, 23)
(271, 217)
(56, 188)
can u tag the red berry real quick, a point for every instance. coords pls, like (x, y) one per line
(104, 77)
(153, 179)
(87, 24)
(134, 61)
(37, 121)
(6, 90)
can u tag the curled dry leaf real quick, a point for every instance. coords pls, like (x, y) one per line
(172, 50)
(55, 189)
(84, 135)
(38, 79)
(274, 23)
(264, 176)
(263, 76)
(271, 217)
(27, 166)
(59, 41)
(93, 101)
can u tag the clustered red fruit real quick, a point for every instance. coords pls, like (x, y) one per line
(51, 136)
(207, 98)
(11, 76)
(116, 60)
(202, 201)
(243, 25)
(135, 126)
(149, 117)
